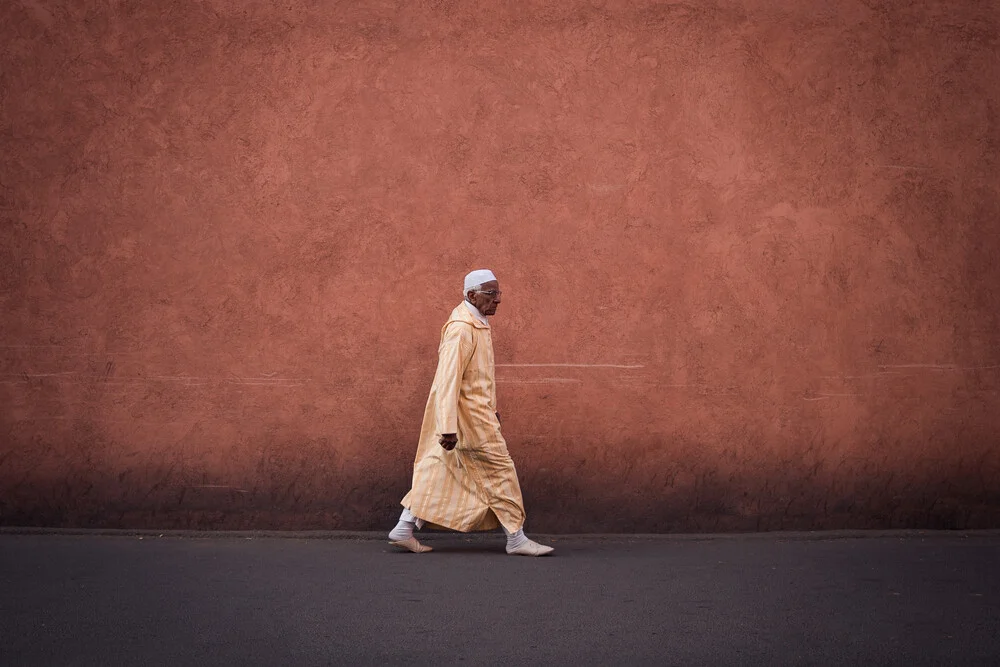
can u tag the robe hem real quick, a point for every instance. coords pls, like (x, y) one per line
(443, 524)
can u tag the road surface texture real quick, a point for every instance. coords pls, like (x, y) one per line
(900, 598)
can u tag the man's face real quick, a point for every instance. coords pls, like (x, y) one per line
(487, 299)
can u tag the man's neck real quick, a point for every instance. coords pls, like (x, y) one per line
(475, 312)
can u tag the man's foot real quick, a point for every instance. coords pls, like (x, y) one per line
(530, 548)
(411, 544)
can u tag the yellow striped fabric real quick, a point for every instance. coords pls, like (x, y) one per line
(474, 486)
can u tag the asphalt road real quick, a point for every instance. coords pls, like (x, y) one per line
(774, 599)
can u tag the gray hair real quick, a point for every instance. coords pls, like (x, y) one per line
(473, 288)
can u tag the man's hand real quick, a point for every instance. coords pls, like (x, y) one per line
(448, 440)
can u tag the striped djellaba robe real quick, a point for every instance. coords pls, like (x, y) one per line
(474, 486)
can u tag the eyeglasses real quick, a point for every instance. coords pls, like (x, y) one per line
(493, 293)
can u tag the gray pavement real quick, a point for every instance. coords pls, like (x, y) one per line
(772, 599)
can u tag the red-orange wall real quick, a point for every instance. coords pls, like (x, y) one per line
(762, 236)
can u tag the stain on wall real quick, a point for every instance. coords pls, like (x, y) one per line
(749, 252)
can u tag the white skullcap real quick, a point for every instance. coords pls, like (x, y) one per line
(478, 278)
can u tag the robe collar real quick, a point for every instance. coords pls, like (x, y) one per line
(466, 312)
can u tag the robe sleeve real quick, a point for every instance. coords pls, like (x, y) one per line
(454, 356)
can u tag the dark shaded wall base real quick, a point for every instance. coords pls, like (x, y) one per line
(555, 506)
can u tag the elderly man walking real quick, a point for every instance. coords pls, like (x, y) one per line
(463, 476)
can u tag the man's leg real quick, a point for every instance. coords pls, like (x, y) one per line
(495, 472)
(407, 522)
(402, 534)
(519, 544)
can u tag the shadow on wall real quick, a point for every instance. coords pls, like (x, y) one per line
(686, 501)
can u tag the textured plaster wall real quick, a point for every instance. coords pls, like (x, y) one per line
(749, 252)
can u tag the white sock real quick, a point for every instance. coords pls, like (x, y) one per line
(402, 531)
(514, 540)
(404, 528)
(407, 515)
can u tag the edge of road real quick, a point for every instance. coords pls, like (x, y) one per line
(813, 535)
